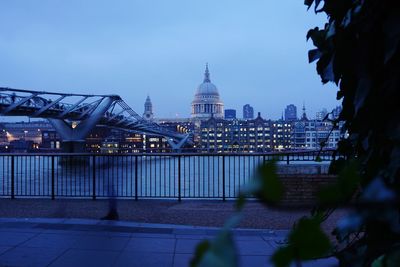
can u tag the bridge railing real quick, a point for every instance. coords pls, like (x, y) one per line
(138, 176)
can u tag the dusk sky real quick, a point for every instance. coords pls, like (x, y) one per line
(256, 50)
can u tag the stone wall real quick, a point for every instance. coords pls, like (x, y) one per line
(301, 189)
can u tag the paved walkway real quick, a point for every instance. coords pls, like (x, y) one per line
(82, 242)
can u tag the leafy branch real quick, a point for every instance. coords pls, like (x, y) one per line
(358, 50)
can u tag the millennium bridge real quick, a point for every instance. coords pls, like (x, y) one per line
(74, 115)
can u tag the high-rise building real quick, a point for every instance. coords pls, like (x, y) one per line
(312, 134)
(291, 113)
(207, 103)
(320, 115)
(281, 135)
(336, 112)
(248, 112)
(148, 110)
(230, 114)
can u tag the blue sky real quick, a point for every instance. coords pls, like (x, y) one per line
(256, 50)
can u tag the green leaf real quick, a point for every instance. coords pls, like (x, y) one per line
(347, 225)
(267, 185)
(379, 262)
(308, 240)
(220, 252)
(283, 257)
(347, 182)
(313, 55)
(201, 250)
(317, 36)
(317, 2)
(377, 191)
(331, 30)
(391, 259)
(240, 201)
(308, 3)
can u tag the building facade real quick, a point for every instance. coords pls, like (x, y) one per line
(247, 136)
(281, 135)
(312, 134)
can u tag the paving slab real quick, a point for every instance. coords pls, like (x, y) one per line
(144, 259)
(4, 249)
(51, 241)
(78, 257)
(255, 261)
(109, 243)
(254, 248)
(182, 260)
(23, 256)
(158, 245)
(14, 238)
(186, 245)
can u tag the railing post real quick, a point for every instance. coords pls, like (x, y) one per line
(136, 178)
(94, 177)
(12, 177)
(223, 178)
(52, 178)
(179, 179)
(287, 159)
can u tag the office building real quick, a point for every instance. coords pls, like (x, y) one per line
(248, 112)
(230, 114)
(291, 113)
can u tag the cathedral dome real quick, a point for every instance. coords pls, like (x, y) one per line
(207, 103)
(207, 88)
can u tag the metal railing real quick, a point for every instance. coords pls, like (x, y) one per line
(136, 176)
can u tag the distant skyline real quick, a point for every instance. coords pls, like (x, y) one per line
(256, 51)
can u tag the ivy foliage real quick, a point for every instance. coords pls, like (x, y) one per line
(306, 241)
(358, 49)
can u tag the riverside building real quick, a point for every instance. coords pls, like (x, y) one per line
(247, 136)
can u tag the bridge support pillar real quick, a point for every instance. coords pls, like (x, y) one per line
(177, 147)
(73, 139)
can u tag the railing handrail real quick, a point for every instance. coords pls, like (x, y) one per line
(174, 154)
(141, 175)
